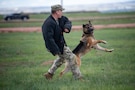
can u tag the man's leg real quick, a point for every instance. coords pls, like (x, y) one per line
(74, 68)
(57, 63)
(70, 57)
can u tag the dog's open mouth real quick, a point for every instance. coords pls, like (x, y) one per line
(89, 31)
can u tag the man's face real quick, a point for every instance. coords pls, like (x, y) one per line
(59, 13)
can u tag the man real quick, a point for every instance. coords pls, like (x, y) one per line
(53, 28)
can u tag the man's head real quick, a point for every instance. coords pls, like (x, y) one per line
(57, 9)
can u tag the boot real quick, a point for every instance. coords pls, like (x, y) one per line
(48, 76)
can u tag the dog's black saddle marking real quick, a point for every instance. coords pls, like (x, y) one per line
(78, 47)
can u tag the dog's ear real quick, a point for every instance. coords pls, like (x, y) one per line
(90, 23)
(83, 25)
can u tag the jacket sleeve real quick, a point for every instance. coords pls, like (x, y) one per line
(67, 23)
(49, 40)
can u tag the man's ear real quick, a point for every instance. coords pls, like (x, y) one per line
(83, 25)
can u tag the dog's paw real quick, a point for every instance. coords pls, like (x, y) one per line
(105, 42)
(109, 50)
(61, 74)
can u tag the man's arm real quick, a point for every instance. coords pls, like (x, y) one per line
(67, 25)
(49, 40)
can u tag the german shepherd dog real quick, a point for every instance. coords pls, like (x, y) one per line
(87, 42)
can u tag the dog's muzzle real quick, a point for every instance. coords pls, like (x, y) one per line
(90, 30)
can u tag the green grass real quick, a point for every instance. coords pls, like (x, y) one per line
(78, 22)
(95, 17)
(21, 56)
(21, 24)
(97, 14)
(80, 15)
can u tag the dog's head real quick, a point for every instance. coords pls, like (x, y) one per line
(88, 28)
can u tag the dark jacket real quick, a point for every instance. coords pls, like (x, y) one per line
(53, 34)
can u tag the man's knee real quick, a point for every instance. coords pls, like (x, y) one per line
(59, 61)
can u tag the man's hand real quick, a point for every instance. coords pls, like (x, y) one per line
(66, 30)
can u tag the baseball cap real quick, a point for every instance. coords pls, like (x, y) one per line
(57, 7)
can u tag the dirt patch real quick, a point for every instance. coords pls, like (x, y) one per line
(47, 63)
(15, 64)
(38, 29)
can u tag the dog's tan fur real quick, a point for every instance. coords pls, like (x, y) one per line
(89, 42)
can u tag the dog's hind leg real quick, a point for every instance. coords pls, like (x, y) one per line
(78, 60)
(67, 66)
(65, 70)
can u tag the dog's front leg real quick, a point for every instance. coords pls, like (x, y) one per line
(102, 41)
(98, 47)
(98, 41)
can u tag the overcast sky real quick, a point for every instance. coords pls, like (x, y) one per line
(27, 3)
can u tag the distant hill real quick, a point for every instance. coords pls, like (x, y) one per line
(110, 7)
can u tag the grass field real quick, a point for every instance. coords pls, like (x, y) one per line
(22, 56)
(95, 17)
